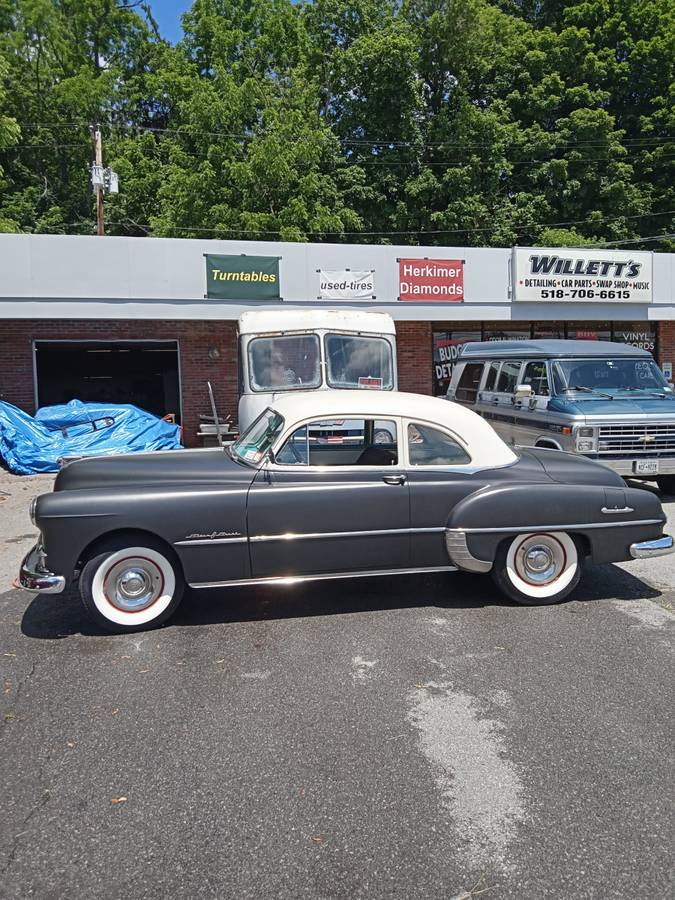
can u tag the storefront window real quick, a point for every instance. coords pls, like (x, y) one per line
(549, 330)
(639, 334)
(509, 331)
(589, 331)
(447, 345)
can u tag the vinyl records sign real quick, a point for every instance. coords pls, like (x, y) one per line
(545, 274)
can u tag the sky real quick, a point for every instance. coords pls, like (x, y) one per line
(168, 13)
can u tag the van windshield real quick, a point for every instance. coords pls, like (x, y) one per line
(609, 377)
(284, 363)
(359, 362)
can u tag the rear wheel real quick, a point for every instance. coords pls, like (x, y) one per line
(128, 586)
(539, 568)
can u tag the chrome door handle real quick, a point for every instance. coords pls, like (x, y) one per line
(394, 479)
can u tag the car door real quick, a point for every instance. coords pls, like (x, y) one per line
(328, 506)
(440, 474)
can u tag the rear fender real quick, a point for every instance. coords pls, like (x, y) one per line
(604, 516)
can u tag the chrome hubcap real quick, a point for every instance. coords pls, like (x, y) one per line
(540, 562)
(133, 584)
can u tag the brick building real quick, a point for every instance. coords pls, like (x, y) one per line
(139, 319)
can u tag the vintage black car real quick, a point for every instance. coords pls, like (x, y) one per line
(444, 492)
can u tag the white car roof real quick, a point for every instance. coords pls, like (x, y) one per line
(264, 321)
(486, 448)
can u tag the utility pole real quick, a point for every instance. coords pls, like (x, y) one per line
(102, 180)
(98, 162)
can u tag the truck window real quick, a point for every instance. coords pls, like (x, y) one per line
(467, 387)
(508, 377)
(284, 363)
(359, 362)
(535, 375)
(491, 378)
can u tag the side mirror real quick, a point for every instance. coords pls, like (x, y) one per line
(522, 392)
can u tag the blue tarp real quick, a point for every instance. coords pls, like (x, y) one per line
(30, 445)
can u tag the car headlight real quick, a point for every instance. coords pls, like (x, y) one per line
(31, 510)
(585, 439)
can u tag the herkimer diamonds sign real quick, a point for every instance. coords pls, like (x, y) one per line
(431, 280)
(242, 277)
(541, 274)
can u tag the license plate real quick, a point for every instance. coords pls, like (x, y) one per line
(646, 467)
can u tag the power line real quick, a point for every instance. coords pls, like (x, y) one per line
(642, 240)
(417, 231)
(189, 130)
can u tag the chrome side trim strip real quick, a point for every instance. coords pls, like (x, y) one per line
(521, 529)
(459, 553)
(298, 535)
(287, 580)
(208, 541)
(611, 512)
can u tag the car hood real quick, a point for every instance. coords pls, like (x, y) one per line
(570, 468)
(621, 406)
(173, 467)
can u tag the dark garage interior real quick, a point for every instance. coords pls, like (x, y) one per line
(144, 373)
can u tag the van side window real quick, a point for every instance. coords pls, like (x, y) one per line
(491, 378)
(508, 377)
(467, 387)
(535, 376)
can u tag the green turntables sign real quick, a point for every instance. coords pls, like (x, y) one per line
(242, 277)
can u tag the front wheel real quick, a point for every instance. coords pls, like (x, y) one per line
(538, 569)
(128, 586)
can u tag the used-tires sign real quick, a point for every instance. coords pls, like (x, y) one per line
(242, 277)
(580, 276)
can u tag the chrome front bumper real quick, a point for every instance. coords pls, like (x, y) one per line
(35, 576)
(658, 547)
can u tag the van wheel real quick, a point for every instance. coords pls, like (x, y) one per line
(131, 586)
(666, 484)
(538, 569)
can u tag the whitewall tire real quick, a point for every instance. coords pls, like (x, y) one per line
(538, 568)
(129, 586)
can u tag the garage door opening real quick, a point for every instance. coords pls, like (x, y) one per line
(145, 373)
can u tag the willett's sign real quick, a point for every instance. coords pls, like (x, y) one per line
(581, 275)
(242, 277)
(431, 280)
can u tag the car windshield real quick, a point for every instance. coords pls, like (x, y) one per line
(609, 376)
(359, 362)
(258, 438)
(284, 363)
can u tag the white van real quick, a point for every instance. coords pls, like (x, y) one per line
(312, 350)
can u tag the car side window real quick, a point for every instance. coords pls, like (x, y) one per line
(428, 446)
(467, 387)
(535, 375)
(491, 377)
(508, 377)
(341, 442)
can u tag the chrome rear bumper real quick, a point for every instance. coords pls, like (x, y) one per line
(658, 547)
(35, 576)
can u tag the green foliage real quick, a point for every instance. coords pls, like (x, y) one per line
(452, 122)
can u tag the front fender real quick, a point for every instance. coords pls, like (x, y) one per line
(194, 521)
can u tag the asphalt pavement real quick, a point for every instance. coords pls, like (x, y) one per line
(403, 737)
